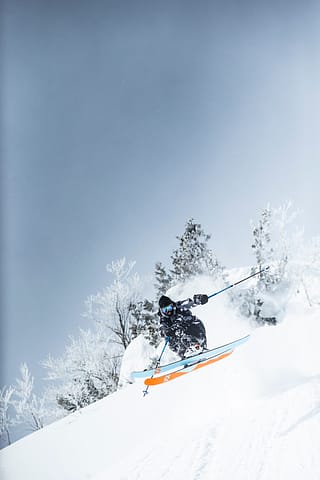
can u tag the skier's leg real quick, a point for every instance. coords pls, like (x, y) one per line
(196, 334)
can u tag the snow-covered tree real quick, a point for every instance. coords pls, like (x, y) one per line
(294, 262)
(20, 406)
(272, 240)
(89, 368)
(305, 268)
(86, 372)
(112, 308)
(163, 279)
(31, 409)
(6, 421)
(147, 321)
(193, 256)
(262, 245)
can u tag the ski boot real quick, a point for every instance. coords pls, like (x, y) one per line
(194, 349)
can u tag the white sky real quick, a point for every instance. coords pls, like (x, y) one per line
(123, 119)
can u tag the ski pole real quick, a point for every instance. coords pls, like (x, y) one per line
(237, 283)
(158, 363)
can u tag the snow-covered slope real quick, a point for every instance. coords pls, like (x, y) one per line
(254, 415)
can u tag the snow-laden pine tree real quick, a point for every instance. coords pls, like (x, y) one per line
(6, 421)
(193, 256)
(147, 321)
(262, 246)
(271, 246)
(163, 279)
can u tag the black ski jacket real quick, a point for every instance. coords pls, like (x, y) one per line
(181, 318)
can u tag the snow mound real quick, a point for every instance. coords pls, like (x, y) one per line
(138, 356)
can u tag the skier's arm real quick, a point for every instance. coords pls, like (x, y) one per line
(198, 299)
(166, 328)
(186, 304)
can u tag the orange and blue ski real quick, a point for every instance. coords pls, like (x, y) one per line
(206, 355)
(185, 370)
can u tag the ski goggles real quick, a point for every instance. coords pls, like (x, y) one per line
(167, 310)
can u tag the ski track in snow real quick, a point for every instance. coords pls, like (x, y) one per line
(188, 460)
(203, 454)
(222, 449)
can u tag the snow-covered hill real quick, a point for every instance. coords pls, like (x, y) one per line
(253, 416)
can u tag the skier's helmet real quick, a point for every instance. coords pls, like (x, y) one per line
(166, 305)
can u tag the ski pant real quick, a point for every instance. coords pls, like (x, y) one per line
(186, 334)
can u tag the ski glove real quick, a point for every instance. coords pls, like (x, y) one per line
(200, 299)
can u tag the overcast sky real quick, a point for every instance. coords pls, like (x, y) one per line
(122, 119)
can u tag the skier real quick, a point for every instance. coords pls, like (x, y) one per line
(187, 334)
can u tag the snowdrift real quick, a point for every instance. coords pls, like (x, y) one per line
(254, 415)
